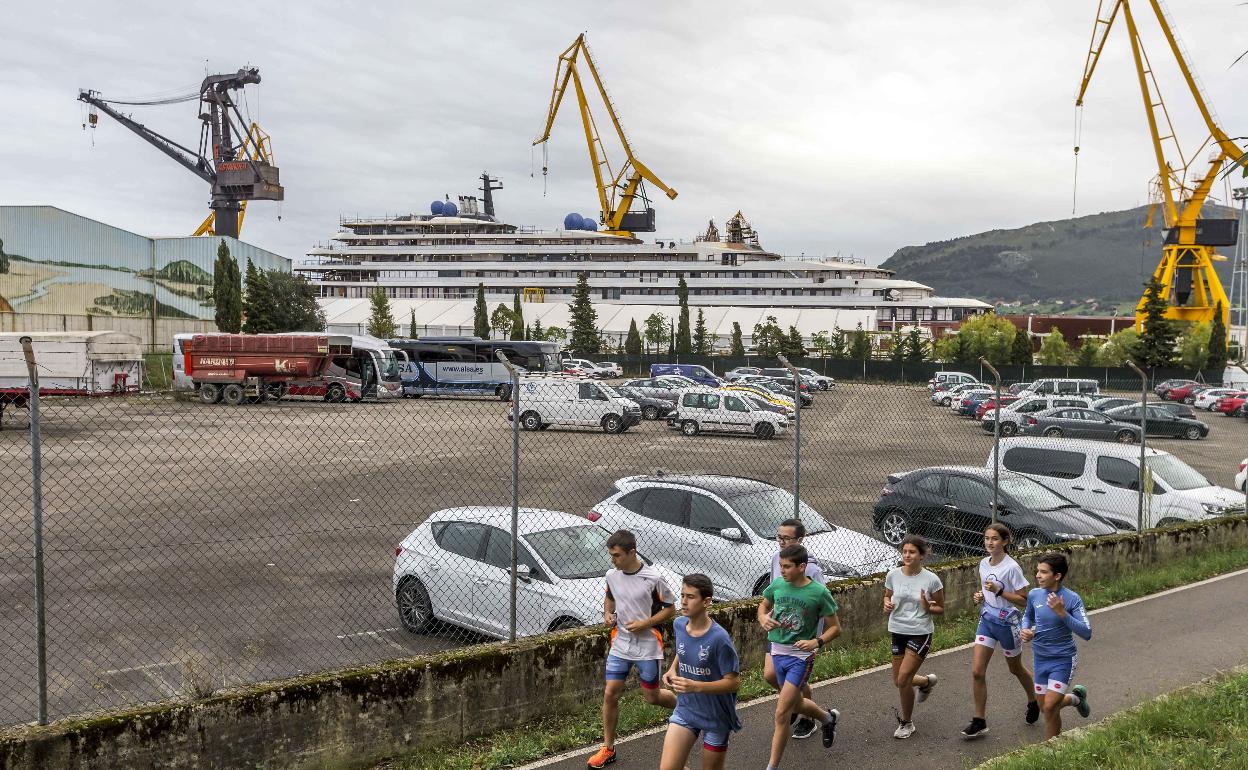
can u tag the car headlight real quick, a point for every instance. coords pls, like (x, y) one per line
(836, 569)
(1072, 535)
(1215, 509)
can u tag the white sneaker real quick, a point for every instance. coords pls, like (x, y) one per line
(926, 691)
(904, 729)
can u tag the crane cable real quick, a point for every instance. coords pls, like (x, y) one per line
(1074, 194)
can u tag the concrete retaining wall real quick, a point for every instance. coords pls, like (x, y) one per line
(351, 718)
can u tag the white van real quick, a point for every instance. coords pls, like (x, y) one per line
(1105, 479)
(1012, 416)
(1063, 386)
(949, 379)
(556, 399)
(705, 409)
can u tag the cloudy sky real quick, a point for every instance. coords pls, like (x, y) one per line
(838, 127)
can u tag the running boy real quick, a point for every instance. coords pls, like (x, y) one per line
(637, 602)
(790, 613)
(1053, 616)
(705, 676)
(1002, 585)
(912, 595)
(792, 532)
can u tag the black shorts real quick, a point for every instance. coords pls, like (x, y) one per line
(919, 644)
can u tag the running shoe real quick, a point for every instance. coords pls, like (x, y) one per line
(804, 727)
(829, 728)
(978, 728)
(926, 691)
(1083, 708)
(904, 729)
(604, 757)
(1033, 712)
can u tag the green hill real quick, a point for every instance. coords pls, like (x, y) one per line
(182, 271)
(1087, 264)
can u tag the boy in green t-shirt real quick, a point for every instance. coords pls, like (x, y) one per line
(790, 612)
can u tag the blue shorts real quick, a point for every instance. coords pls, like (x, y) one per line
(712, 740)
(1054, 673)
(990, 634)
(647, 671)
(792, 669)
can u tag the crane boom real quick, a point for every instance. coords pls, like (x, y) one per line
(259, 144)
(188, 158)
(617, 190)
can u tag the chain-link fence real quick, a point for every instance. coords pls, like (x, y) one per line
(189, 547)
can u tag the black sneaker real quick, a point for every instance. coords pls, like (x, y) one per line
(1033, 712)
(978, 728)
(804, 727)
(829, 728)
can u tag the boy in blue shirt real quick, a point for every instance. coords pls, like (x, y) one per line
(705, 675)
(1053, 617)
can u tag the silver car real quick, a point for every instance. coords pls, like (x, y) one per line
(1072, 422)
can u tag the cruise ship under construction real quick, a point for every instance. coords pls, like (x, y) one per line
(430, 266)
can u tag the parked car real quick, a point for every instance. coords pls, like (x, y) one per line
(808, 376)
(1176, 409)
(741, 371)
(1208, 397)
(820, 381)
(1064, 386)
(611, 368)
(751, 390)
(1163, 387)
(547, 400)
(1019, 387)
(456, 568)
(652, 408)
(952, 505)
(725, 527)
(991, 404)
(1160, 422)
(695, 372)
(1072, 422)
(945, 397)
(1104, 478)
(666, 388)
(1232, 404)
(968, 401)
(584, 367)
(949, 379)
(1112, 402)
(1241, 478)
(1182, 392)
(706, 410)
(768, 384)
(1012, 418)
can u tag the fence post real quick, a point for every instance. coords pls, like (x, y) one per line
(1240, 367)
(1139, 512)
(515, 488)
(36, 503)
(996, 436)
(797, 435)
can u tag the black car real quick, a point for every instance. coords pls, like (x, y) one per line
(1161, 422)
(1105, 404)
(951, 505)
(1177, 409)
(651, 408)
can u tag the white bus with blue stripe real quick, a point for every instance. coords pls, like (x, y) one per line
(468, 366)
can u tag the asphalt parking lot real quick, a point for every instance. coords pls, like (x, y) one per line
(191, 545)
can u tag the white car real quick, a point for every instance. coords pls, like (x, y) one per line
(610, 369)
(725, 527)
(1241, 478)
(816, 380)
(456, 568)
(584, 367)
(713, 411)
(946, 397)
(1207, 398)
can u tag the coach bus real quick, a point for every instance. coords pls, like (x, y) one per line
(467, 366)
(371, 371)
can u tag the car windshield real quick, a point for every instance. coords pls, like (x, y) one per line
(1033, 495)
(764, 510)
(1177, 474)
(573, 552)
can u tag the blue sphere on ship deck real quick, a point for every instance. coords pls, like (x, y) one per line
(573, 221)
(589, 224)
(448, 209)
(436, 208)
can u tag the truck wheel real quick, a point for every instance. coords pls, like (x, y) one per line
(531, 421)
(336, 393)
(765, 430)
(209, 393)
(232, 394)
(612, 424)
(689, 428)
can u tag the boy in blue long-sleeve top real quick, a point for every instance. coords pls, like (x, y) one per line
(1053, 617)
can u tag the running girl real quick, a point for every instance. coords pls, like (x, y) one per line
(912, 595)
(1002, 585)
(1053, 616)
(705, 676)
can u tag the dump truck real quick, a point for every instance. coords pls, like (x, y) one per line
(238, 368)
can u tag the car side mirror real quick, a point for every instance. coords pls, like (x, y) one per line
(524, 573)
(732, 533)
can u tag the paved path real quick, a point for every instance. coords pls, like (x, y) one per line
(1139, 649)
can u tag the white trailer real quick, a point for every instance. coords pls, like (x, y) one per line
(71, 364)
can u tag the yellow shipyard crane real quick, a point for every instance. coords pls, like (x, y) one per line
(256, 146)
(1191, 286)
(617, 190)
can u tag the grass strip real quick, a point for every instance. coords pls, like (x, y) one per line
(582, 727)
(1195, 728)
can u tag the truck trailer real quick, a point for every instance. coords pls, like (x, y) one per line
(234, 368)
(102, 363)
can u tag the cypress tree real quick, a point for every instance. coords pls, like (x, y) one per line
(632, 343)
(1020, 347)
(227, 291)
(737, 346)
(517, 318)
(539, 333)
(703, 344)
(583, 319)
(1158, 335)
(683, 342)
(480, 315)
(916, 349)
(1217, 344)
(411, 324)
(258, 304)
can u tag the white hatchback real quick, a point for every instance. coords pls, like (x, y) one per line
(1207, 398)
(725, 527)
(456, 568)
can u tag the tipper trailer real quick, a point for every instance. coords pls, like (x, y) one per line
(234, 368)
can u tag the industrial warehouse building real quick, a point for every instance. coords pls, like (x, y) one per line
(63, 272)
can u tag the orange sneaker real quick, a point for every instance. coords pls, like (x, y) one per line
(604, 757)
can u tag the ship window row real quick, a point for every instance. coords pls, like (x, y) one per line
(565, 292)
(645, 276)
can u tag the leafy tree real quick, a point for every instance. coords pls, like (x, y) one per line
(380, 321)
(4, 259)
(480, 315)
(988, 335)
(897, 347)
(1218, 353)
(537, 332)
(769, 338)
(1086, 355)
(517, 318)
(684, 343)
(411, 324)
(737, 345)
(916, 348)
(859, 345)
(227, 290)
(1121, 347)
(556, 334)
(1194, 347)
(1020, 348)
(1158, 335)
(584, 319)
(703, 342)
(656, 330)
(501, 320)
(632, 343)
(606, 343)
(257, 303)
(821, 342)
(793, 346)
(294, 307)
(1054, 351)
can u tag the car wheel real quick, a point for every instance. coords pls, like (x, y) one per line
(232, 394)
(894, 528)
(1192, 433)
(566, 624)
(1008, 429)
(1052, 432)
(946, 401)
(765, 430)
(415, 608)
(209, 393)
(1125, 437)
(1030, 540)
(823, 386)
(650, 413)
(531, 421)
(612, 424)
(336, 394)
(689, 428)
(1170, 522)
